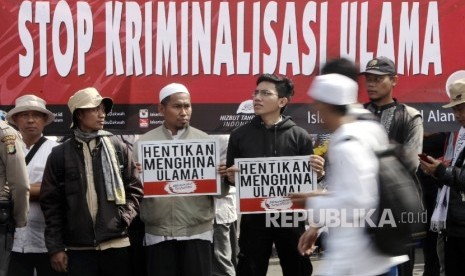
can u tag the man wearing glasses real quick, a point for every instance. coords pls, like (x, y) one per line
(402, 122)
(270, 133)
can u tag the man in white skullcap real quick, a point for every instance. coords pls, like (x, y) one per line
(352, 180)
(178, 230)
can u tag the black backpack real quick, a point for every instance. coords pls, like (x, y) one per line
(400, 217)
(400, 195)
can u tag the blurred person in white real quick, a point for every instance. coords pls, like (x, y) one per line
(225, 247)
(352, 180)
(29, 253)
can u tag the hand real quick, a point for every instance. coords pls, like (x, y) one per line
(59, 261)
(429, 166)
(231, 172)
(139, 167)
(307, 241)
(222, 170)
(318, 165)
(299, 199)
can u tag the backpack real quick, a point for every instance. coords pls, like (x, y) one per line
(400, 195)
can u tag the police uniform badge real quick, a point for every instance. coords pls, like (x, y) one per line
(373, 63)
(9, 141)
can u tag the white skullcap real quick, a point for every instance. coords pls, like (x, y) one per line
(171, 89)
(334, 89)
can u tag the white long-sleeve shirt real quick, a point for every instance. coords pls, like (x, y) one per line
(352, 181)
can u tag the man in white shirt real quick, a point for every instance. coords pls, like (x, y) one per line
(352, 180)
(29, 253)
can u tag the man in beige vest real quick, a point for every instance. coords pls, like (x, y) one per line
(178, 230)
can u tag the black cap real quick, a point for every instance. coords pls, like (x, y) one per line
(380, 66)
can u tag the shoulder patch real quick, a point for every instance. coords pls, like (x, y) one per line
(8, 138)
(4, 125)
(9, 141)
(373, 62)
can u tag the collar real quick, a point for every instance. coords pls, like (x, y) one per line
(177, 135)
(280, 119)
(377, 110)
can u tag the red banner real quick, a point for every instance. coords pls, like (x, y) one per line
(128, 50)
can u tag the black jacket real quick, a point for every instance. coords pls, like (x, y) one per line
(454, 177)
(404, 126)
(255, 140)
(63, 198)
(403, 121)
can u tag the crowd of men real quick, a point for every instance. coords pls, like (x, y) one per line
(78, 207)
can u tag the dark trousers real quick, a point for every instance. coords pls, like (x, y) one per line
(136, 250)
(6, 243)
(24, 264)
(109, 262)
(7, 229)
(406, 269)
(454, 248)
(432, 266)
(255, 244)
(179, 258)
(234, 242)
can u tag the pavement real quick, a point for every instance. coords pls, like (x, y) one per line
(274, 269)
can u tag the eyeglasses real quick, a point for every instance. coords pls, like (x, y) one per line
(263, 93)
(35, 115)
